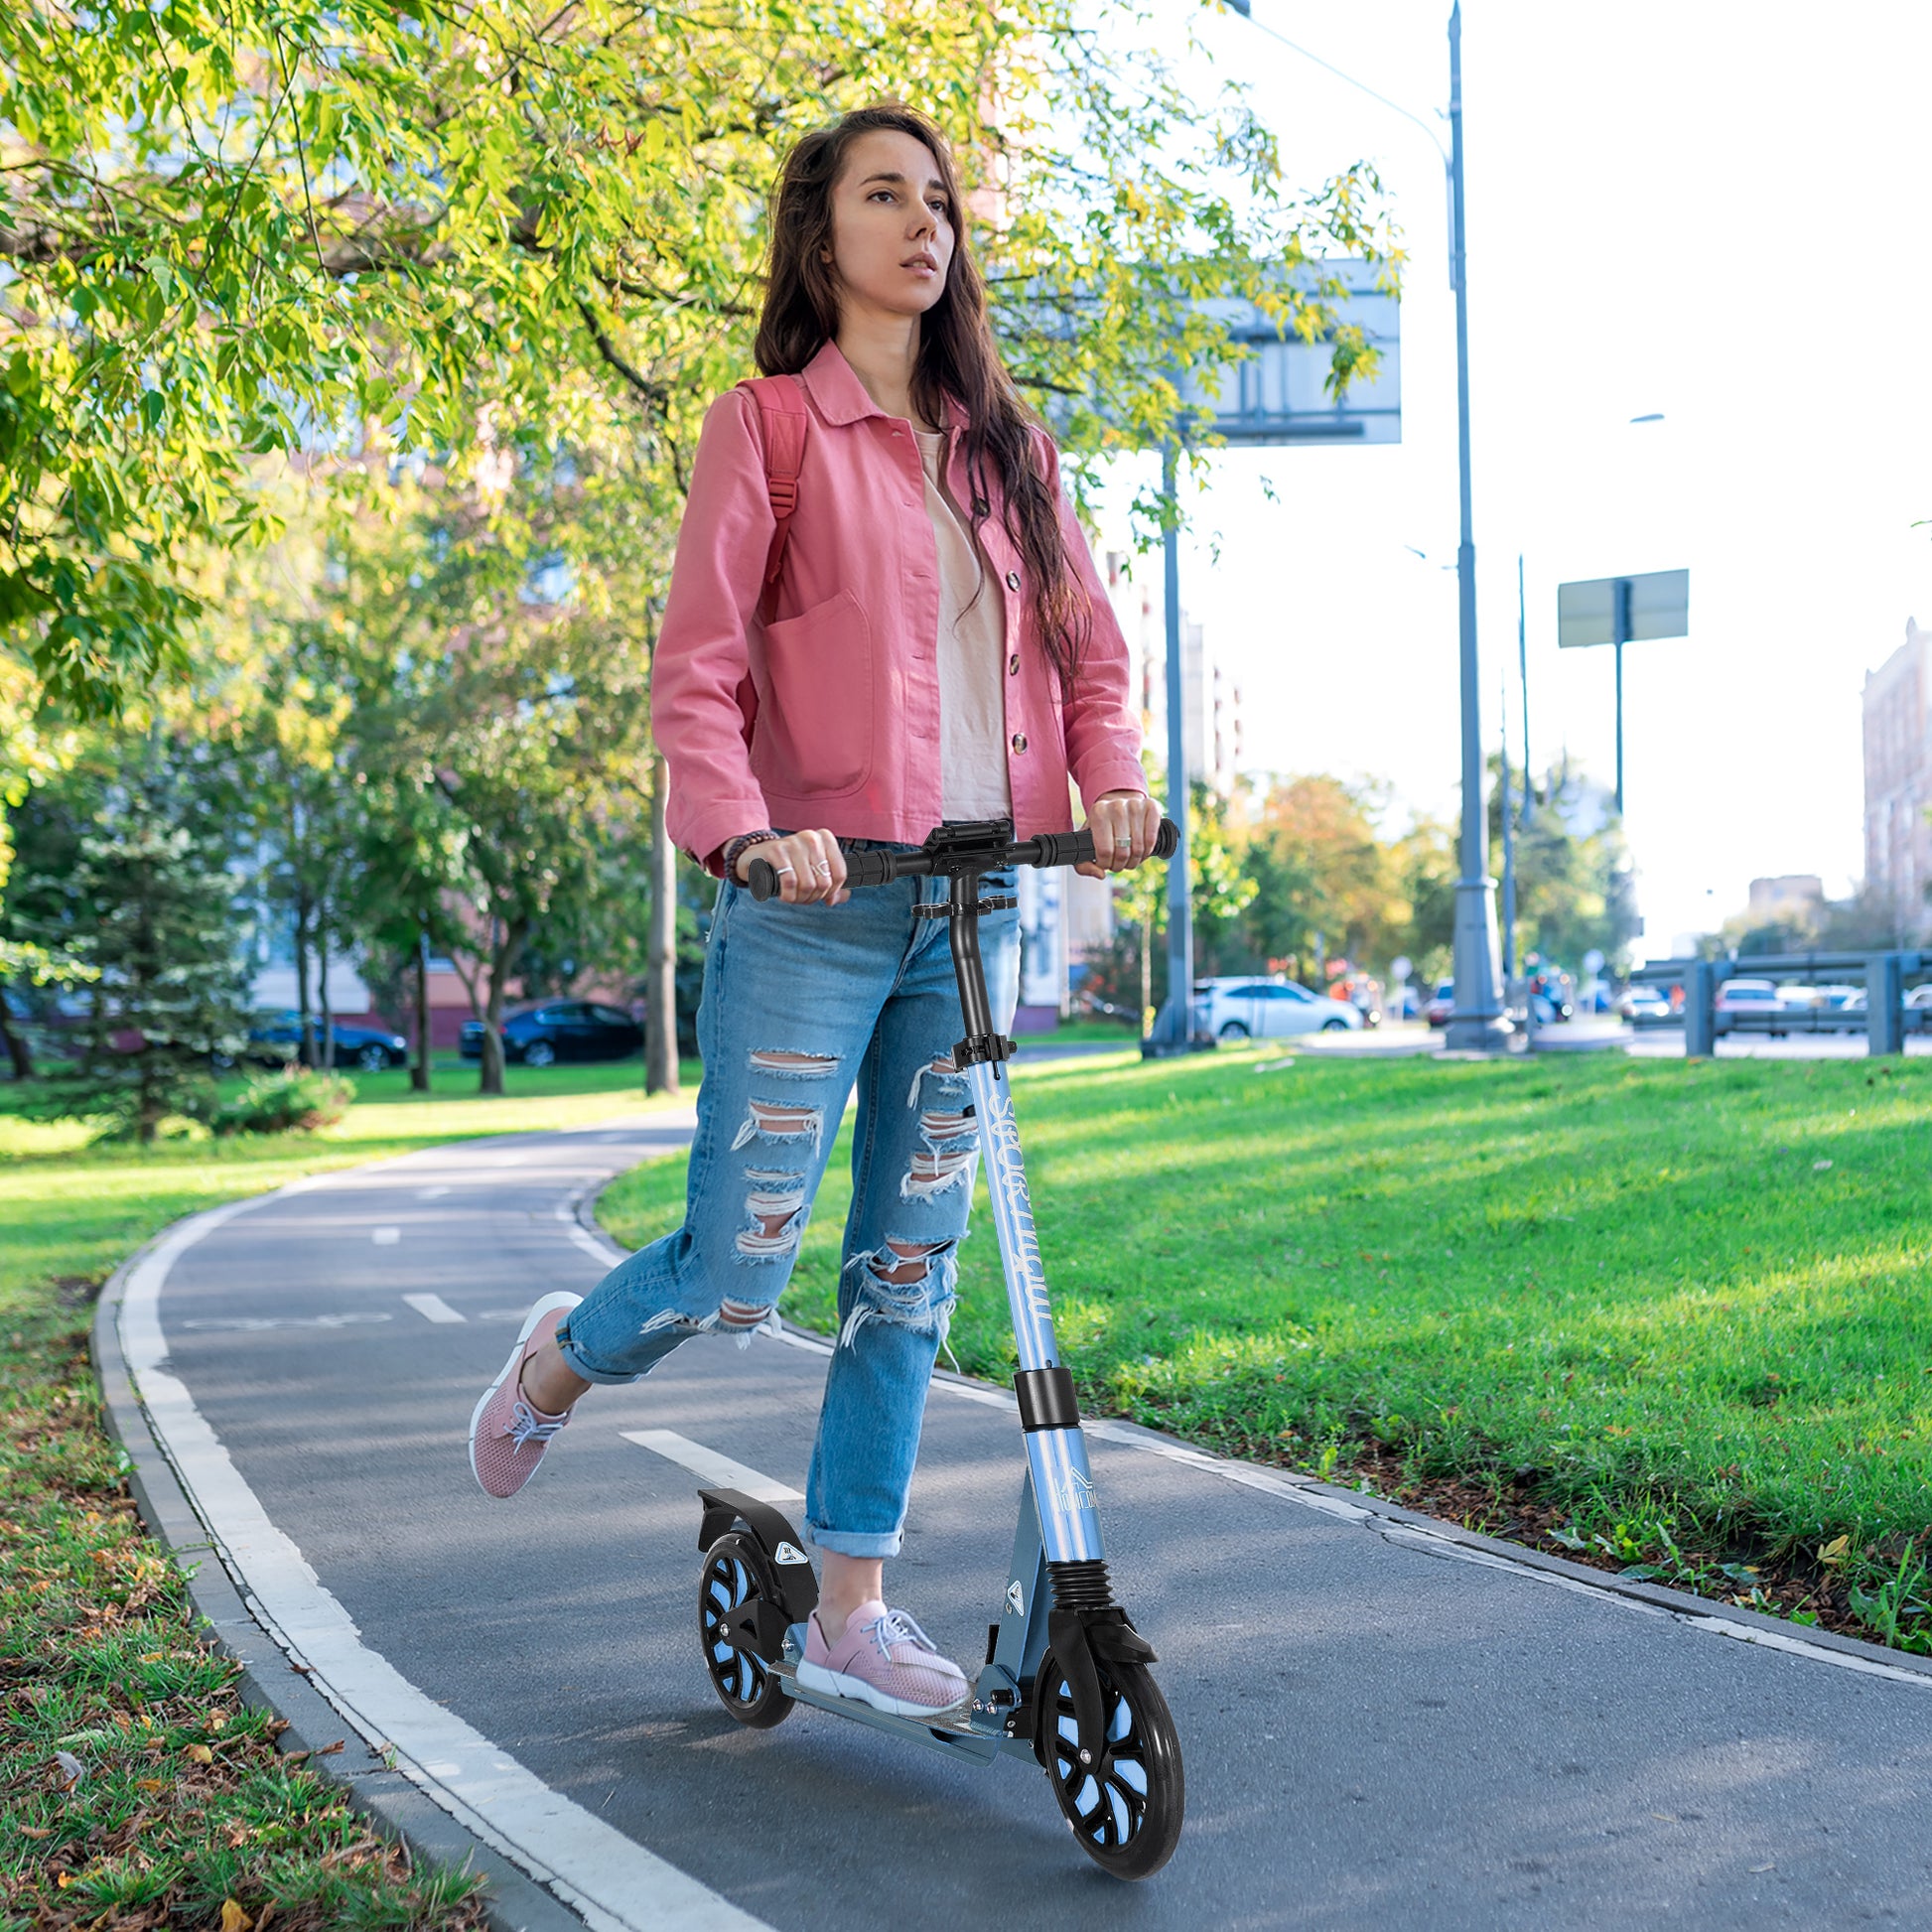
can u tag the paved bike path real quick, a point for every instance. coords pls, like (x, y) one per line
(1384, 1726)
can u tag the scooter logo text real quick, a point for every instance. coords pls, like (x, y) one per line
(1076, 1492)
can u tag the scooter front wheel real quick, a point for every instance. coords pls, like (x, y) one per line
(735, 1572)
(1128, 1821)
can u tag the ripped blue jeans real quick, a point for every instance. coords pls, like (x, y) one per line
(801, 1003)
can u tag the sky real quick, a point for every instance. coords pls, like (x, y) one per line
(1705, 209)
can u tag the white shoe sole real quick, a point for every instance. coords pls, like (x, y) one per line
(815, 1677)
(510, 1369)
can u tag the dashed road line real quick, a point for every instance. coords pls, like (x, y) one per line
(432, 1308)
(708, 1466)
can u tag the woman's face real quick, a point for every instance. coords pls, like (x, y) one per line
(891, 224)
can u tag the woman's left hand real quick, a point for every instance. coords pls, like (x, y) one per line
(1123, 825)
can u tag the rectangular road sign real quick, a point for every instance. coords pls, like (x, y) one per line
(1278, 392)
(1657, 606)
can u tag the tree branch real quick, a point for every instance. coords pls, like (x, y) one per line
(653, 393)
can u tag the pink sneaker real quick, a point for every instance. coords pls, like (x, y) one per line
(884, 1657)
(508, 1437)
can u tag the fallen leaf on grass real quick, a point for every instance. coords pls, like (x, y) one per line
(1835, 1550)
(35, 1830)
(200, 1753)
(234, 1918)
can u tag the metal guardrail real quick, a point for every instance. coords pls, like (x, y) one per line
(1884, 1019)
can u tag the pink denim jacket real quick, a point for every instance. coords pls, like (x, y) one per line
(829, 716)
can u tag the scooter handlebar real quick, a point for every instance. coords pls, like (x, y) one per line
(1050, 849)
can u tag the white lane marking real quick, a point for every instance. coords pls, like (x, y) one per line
(709, 1466)
(242, 1323)
(1305, 1491)
(432, 1308)
(386, 1237)
(612, 1882)
(431, 1193)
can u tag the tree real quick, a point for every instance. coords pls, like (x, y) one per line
(1575, 890)
(143, 918)
(239, 230)
(1327, 884)
(1217, 889)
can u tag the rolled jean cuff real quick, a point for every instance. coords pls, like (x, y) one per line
(586, 1371)
(854, 1543)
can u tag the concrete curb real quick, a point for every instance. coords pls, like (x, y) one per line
(268, 1682)
(1723, 1619)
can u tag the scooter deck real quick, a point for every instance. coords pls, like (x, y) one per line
(977, 1730)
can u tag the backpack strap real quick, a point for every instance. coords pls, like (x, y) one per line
(783, 418)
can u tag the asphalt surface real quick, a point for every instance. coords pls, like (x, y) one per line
(1381, 1729)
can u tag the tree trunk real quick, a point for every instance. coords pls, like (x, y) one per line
(23, 1060)
(503, 956)
(326, 1057)
(419, 1073)
(305, 1049)
(660, 979)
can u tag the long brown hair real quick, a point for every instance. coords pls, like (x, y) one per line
(958, 358)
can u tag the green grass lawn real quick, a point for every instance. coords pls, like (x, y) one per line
(185, 1803)
(1667, 1316)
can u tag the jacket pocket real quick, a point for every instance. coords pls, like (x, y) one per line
(814, 728)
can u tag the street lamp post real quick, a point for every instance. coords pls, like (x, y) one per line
(1479, 1024)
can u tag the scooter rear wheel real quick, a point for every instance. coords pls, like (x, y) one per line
(735, 1572)
(1130, 1823)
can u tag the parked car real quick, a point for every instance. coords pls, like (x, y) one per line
(1820, 997)
(1747, 997)
(275, 1039)
(1235, 1007)
(1645, 1005)
(1440, 1008)
(561, 1029)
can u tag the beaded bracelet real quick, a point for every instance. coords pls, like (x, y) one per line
(735, 849)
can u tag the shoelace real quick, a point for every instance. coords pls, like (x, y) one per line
(896, 1628)
(525, 1426)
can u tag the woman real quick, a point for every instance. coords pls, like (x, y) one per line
(935, 646)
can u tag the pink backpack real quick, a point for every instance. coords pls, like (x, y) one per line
(783, 419)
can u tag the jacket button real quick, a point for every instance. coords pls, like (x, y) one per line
(1013, 579)
(1020, 741)
(1013, 665)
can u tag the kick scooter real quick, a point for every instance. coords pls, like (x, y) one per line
(1066, 1679)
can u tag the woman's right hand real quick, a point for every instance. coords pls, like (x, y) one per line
(809, 864)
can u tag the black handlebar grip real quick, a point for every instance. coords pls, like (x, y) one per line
(1167, 841)
(861, 869)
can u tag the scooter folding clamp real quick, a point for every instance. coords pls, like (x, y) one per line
(978, 908)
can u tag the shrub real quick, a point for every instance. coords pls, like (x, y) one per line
(295, 1100)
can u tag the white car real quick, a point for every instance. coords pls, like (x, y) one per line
(1237, 1009)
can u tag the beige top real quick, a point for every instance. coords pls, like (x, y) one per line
(973, 778)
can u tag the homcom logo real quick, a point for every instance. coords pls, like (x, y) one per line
(1076, 1492)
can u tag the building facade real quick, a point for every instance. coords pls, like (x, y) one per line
(1898, 784)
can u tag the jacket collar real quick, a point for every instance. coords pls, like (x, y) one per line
(841, 398)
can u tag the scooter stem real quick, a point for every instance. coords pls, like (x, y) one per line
(1056, 1450)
